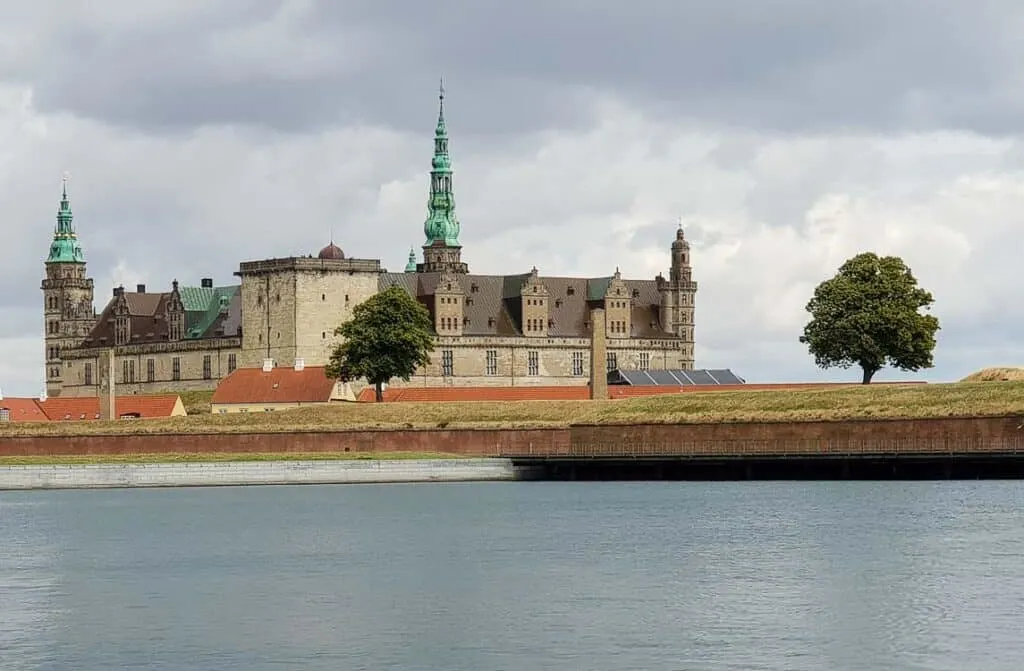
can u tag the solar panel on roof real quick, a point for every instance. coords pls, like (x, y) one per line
(634, 377)
(677, 377)
(663, 377)
(700, 377)
(725, 376)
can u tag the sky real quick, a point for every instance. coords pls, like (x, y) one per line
(786, 135)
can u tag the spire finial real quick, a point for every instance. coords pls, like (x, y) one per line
(440, 107)
(65, 176)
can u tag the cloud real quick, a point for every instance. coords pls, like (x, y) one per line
(788, 137)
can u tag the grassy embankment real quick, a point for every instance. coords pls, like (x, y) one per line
(853, 402)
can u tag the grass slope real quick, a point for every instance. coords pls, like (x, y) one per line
(856, 401)
(1000, 374)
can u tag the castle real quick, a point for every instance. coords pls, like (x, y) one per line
(496, 330)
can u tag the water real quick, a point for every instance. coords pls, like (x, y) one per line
(516, 576)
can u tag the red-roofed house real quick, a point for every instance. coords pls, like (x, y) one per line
(126, 407)
(82, 408)
(267, 389)
(21, 410)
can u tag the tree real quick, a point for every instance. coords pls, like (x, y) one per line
(869, 315)
(389, 335)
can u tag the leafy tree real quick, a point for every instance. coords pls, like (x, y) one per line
(389, 335)
(869, 315)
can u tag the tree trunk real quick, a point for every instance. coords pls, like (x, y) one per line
(378, 388)
(868, 374)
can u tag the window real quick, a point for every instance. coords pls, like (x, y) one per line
(88, 374)
(532, 363)
(232, 363)
(128, 372)
(577, 363)
(613, 361)
(645, 360)
(447, 363)
(176, 368)
(150, 370)
(492, 362)
(5, 415)
(207, 367)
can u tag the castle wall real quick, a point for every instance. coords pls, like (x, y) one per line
(134, 378)
(325, 301)
(501, 362)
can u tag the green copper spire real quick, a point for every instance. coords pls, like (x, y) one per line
(411, 266)
(65, 247)
(441, 225)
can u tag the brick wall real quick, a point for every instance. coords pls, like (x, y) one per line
(989, 434)
(968, 434)
(483, 442)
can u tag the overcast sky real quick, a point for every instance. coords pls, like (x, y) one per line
(788, 134)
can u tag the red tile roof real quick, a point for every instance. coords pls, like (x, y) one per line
(280, 385)
(455, 394)
(23, 410)
(574, 393)
(88, 407)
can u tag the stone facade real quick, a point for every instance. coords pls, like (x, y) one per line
(191, 365)
(291, 307)
(68, 317)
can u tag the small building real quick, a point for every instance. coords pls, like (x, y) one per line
(273, 388)
(87, 408)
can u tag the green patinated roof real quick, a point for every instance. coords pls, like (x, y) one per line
(203, 305)
(410, 267)
(65, 247)
(597, 288)
(441, 225)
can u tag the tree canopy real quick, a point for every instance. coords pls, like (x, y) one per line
(869, 315)
(389, 335)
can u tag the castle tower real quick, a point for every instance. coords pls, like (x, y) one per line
(442, 250)
(68, 311)
(678, 295)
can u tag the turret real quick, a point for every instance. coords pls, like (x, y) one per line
(68, 312)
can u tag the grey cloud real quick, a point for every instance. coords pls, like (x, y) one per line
(777, 64)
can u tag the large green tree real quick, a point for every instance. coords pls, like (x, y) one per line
(870, 315)
(389, 335)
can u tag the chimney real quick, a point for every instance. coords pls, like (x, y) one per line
(206, 282)
(300, 363)
(140, 288)
(268, 365)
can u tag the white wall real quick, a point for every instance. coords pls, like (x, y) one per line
(255, 473)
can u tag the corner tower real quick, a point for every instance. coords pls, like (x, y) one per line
(678, 297)
(442, 251)
(68, 312)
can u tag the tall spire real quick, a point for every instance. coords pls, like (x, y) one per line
(65, 247)
(441, 226)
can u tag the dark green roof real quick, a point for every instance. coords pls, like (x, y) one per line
(203, 305)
